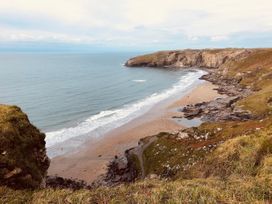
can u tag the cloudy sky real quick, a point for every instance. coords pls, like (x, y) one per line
(134, 24)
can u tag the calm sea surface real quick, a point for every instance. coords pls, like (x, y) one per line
(71, 95)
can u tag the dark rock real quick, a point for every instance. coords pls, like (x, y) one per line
(120, 170)
(269, 101)
(191, 112)
(59, 182)
(217, 110)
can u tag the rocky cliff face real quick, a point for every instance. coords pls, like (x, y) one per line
(208, 58)
(23, 160)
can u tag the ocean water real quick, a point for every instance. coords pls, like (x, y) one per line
(75, 97)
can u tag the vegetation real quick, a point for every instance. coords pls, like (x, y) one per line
(23, 161)
(255, 72)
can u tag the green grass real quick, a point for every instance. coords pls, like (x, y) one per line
(172, 158)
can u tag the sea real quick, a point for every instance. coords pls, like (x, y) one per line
(76, 97)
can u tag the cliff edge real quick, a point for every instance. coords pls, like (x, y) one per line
(23, 159)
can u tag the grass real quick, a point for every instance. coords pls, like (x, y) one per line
(143, 60)
(170, 157)
(209, 190)
(258, 102)
(255, 72)
(238, 157)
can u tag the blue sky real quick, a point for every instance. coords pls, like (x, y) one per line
(133, 25)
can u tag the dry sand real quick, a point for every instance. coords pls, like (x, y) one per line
(91, 161)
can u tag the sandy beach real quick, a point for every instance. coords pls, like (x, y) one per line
(91, 161)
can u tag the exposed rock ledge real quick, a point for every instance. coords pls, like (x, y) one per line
(208, 58)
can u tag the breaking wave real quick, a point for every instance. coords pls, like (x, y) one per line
(99, 124)
(139, 80)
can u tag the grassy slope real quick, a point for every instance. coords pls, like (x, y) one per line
(256, 71)
(237, 169)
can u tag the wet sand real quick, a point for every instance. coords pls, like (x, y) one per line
(91, 161)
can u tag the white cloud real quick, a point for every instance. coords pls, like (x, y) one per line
(8, 35)
(66, 12)
(90, 20)
(193, 38)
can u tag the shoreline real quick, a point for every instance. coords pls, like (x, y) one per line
(91, 161)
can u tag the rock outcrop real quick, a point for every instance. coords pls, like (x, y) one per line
(57, 182)
(221, 109)
(208, 58)
(120, 170)
(23, 159)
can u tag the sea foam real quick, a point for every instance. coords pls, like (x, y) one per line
(99, 124)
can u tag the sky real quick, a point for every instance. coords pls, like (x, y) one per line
(133, 25)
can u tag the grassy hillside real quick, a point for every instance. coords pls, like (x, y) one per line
(233, 164)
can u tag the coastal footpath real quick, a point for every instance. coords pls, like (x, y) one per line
(227, 159)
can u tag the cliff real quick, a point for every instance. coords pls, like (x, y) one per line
(23, 160)
(208, 58)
